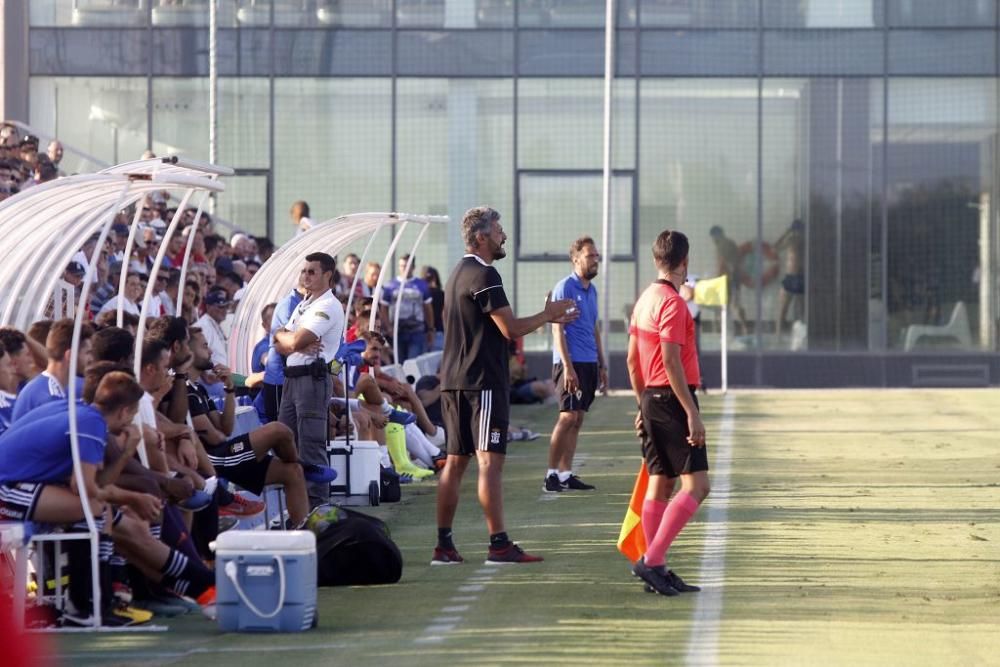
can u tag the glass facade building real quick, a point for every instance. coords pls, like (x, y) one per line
(872, 124)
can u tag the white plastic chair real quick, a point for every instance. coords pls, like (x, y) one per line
(957, 328)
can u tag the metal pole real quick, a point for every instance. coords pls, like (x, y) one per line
(609, 73)
(213, 82)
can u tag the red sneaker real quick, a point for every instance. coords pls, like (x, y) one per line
(510, 554)
(242, 507)
(446, 557)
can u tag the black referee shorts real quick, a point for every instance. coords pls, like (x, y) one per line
(664, 446)
(476, 420)
(587, 378)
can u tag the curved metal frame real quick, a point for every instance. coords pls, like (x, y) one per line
(280, 272)
(44, 228)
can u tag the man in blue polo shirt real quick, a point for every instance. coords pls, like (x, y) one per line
(269, 398)
(51, 384)
(578, 365)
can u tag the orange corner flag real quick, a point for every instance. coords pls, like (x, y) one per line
(631, 540)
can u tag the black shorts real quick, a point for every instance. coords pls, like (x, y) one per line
(476, 420)
(665, 446)
(18, 500)
(587, 378)
(794, 283)
(235, 460)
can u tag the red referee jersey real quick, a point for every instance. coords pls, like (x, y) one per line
(661, 314)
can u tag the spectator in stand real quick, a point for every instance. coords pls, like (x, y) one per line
(253, 266)
(258, 360)
(408, 298)
(299, 214)
(130, 299)
(265, 248)
(74, 275)
(55, 152)
(349, 269)
(130, 322)
(214, 246)
(434, 285)
(231, 282)
(217, 304)
(9, 179)
(370, 278)
(51, 384)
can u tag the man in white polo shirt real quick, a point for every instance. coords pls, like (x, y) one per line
(309, 341)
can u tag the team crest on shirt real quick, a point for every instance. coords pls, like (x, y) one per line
(495, 437)
(237, 447)
(321, 314)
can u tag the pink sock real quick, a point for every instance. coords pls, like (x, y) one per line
(679, 511)
(652, 514)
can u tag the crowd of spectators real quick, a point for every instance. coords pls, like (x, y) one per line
(161, 454)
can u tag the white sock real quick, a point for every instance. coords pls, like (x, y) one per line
(564, 475)
(383, 457)
(210, 484)
(418, 445)
(551, 471)
(438, 439)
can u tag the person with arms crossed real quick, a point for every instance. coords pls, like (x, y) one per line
(309, 342)
(663, 369)
(578, 369)
(475, 399)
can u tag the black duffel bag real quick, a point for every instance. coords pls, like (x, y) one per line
(354, 549)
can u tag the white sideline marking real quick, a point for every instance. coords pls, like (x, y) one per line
(473, 588)
(464, 598)
(457, 609)
(703, 644)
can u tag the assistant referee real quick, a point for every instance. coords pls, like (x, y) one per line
(475, 382)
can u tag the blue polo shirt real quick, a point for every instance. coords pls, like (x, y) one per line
(579, 333)
(42, 389)
(274, 368)
(38, 449)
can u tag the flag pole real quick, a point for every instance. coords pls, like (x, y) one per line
(725, 348)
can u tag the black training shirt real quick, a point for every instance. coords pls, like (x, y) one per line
(475, 353)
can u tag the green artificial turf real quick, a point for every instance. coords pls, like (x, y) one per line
(861, 529)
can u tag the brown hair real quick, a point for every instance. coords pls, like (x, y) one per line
(115, 391)
(670, 249)
(60, 338)
(578, 245)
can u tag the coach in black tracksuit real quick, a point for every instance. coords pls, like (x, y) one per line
(475, 382)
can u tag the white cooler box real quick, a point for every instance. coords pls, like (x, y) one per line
(266, 580)
(359, 472)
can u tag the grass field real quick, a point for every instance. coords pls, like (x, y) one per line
(859, 528)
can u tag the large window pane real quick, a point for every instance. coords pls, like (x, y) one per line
(181, 120)
(822, 13)
(934, 13)
(699, 13)
(454, 151)
(820, 214)
(103, 117)
(89, 13)
(941, 271)
(698, 170)
(332, 147)
(560, 124)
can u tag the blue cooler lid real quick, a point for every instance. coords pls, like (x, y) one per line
(273, 542)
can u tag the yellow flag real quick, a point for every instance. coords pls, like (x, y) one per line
(714, 292)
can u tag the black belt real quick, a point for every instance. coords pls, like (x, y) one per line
(316, 369)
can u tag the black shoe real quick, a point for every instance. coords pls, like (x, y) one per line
(655, 577)
(552, 484)
(679, 584)
(574, 483)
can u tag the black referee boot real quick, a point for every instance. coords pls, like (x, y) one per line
(655, 578)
